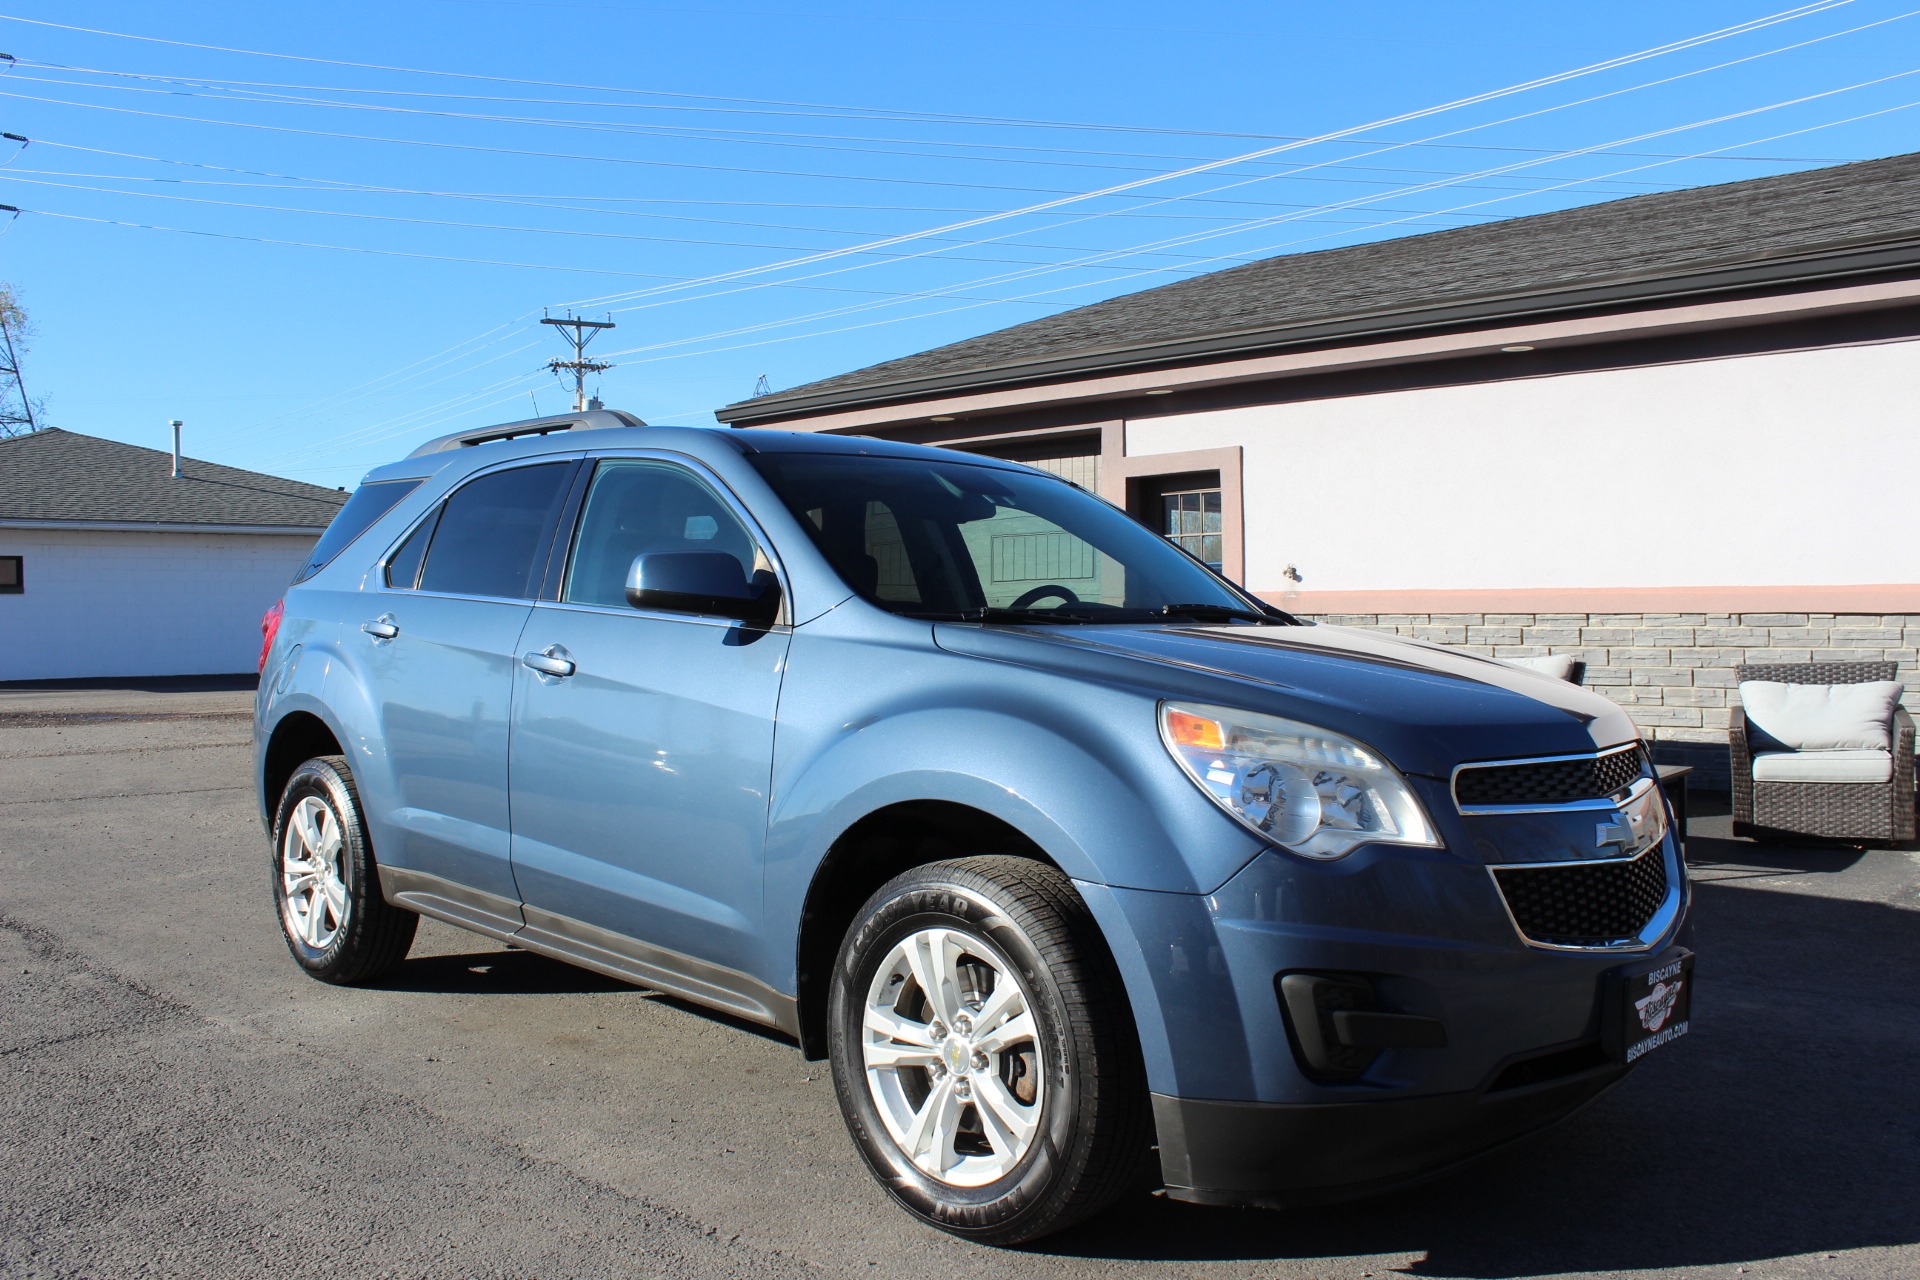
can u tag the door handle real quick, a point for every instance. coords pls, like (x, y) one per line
(550, 663)
(382, 627)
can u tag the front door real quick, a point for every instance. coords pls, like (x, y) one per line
(642, 754)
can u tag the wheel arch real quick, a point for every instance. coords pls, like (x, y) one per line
(870, 852)
(297, 737)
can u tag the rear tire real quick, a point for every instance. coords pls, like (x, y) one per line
(326, 886)
(984, 1053)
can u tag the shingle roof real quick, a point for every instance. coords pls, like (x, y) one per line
(64, 476)
(1640, 238)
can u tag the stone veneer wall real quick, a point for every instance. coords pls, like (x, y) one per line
(1673, 672)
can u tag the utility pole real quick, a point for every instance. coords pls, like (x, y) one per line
(11, 423)
(584, 331)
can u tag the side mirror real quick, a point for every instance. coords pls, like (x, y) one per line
(709, 582)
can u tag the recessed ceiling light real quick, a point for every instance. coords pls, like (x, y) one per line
(1161, 391)
(941, 417)
(1516, 349)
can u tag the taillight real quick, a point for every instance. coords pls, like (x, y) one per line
(269, 628)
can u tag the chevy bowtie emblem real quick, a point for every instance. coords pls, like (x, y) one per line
(1616, 830)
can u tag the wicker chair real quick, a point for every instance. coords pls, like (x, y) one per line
(1827, 810)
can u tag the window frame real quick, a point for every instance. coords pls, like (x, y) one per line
(19, 587)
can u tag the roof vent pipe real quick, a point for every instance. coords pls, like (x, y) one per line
(176, 424)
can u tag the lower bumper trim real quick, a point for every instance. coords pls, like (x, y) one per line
(1280, 1155)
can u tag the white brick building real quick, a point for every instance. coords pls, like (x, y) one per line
(112, 566)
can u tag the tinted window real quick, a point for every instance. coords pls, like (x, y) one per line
(403, 567)
(952, 538)
(639, 507)
(490, 531)
(368, 503)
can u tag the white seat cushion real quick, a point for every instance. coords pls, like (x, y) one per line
(1557, 665)
(1819, 717)
(1823, 766)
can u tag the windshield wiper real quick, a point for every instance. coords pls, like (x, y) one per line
(995, 613)
(1219, 613)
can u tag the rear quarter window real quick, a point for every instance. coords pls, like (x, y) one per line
(368, 503)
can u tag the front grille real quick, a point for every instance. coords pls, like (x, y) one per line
(1591, 904)
(1548, 782)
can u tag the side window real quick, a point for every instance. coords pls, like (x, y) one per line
(368, 503)
(491, 530)
(403, 568)
(639, 507)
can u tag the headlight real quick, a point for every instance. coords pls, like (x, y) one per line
(1312, 792)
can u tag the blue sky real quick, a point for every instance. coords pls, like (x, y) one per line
(682, 167)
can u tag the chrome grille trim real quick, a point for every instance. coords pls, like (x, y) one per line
(1646, 936)
(1603, 800)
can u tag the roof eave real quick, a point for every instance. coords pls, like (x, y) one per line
(157, 526)
(1830, 262)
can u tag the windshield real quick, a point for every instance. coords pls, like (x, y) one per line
(942, 539)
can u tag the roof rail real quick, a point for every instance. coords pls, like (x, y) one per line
(585, 420)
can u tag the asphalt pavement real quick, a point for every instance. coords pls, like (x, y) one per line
(178, 1100)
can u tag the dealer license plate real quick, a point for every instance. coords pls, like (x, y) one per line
(1653, 1002)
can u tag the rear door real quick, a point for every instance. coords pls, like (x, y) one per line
(640, 777)
(441, 656)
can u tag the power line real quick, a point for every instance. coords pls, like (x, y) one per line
(1757, 23)
(1608, 64)
(426, 257)
(1210, 191)
(534, 199)
(1346, 135)
(31, 177)
(813, 175)
(1447, 146)
(814, 142)
(1266, 250)
(1354, 202)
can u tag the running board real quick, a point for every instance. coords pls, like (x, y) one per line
(577, 943)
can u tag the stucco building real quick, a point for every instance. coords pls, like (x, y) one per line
(1664, 434)
(111, 565)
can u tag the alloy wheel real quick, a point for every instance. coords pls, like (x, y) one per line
(951, 1057)
(315, 893)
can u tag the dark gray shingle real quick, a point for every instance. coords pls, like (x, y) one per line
(62, 475)
(1652, 236)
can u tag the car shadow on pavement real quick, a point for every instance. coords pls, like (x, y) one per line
(511, 971)
(1784, 1125)
(502, 972)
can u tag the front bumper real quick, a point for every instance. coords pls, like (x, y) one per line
(1245, 1118)
(1278, 1155)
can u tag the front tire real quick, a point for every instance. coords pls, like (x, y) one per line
(983, 1051)
(326, 886)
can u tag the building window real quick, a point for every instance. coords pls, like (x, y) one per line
(12, 576)
(1187, 509)
(1191, 519)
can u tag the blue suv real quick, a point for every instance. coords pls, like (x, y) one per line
(1087, 870)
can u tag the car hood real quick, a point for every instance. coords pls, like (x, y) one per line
(1425, 707)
